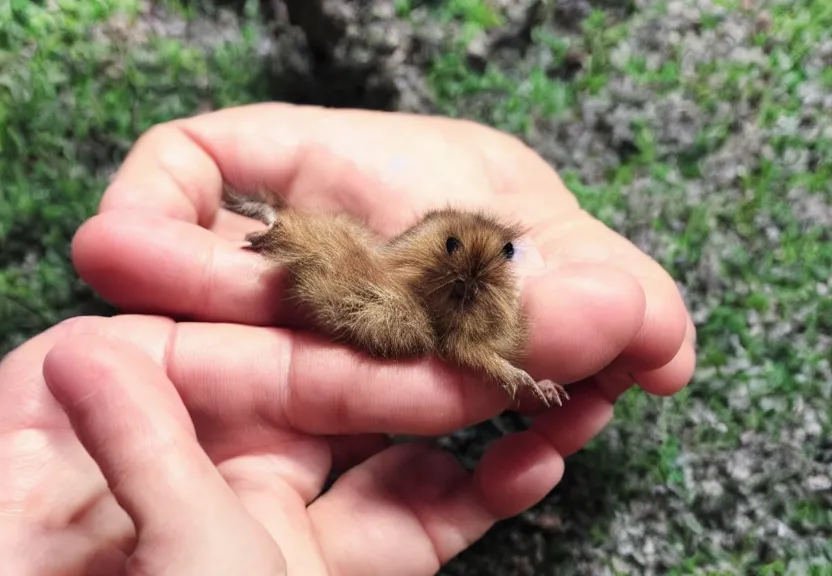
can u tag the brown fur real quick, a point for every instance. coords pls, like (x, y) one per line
(410, 296)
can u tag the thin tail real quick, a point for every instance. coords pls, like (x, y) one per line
(262, 205)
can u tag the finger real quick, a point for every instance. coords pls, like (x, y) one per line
(664, 381)
(305, 383)
(362, 164)
(584, 315)
(167, 174)
(397, 496)
(671, 377)
(146, 263)
(516, 473)
(349, 451)
(690, 332)
(659, 357)
(319, 387)
(423, 496)
(234, 227)
(589, 411)
(665, 324)
(128, 417)
(409, 493)
(27, 403)
(581, 239)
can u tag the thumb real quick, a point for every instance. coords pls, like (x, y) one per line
(128, 416)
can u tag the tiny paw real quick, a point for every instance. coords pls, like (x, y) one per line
(546, 390)
(549, 391)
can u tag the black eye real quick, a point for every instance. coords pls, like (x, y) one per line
(451, 244)
(508, 251)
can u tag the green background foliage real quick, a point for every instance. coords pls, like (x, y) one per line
(78, 84)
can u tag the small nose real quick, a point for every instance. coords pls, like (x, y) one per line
(458, 289)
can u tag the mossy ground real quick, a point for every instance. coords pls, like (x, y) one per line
(701, 130)
(79, 82)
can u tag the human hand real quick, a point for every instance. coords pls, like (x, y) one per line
(602, 311)
(129, 418)
(601, 308)
(103, 474)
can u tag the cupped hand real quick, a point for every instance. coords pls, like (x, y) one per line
(136, 445)
(275, 409)
(601, 308)
(128, 416)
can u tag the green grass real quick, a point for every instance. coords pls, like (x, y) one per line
(72, 102)
(474, 13)
(765, 323)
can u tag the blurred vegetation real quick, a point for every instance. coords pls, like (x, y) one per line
(757, 267)
(78, 83)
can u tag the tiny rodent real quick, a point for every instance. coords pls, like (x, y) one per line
(444, 286)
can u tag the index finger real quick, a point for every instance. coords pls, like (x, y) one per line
(363, 162)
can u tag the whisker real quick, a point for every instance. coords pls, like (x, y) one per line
(441, 286)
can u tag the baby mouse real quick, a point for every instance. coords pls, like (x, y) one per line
(444, 286)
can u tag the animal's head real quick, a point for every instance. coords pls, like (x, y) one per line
(467, 273)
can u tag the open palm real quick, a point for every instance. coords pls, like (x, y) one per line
(276, 409)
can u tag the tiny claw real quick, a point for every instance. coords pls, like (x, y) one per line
(546, 389)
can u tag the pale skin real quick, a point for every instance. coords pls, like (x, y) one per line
(217, 435)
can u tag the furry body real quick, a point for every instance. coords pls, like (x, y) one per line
(445, 286)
